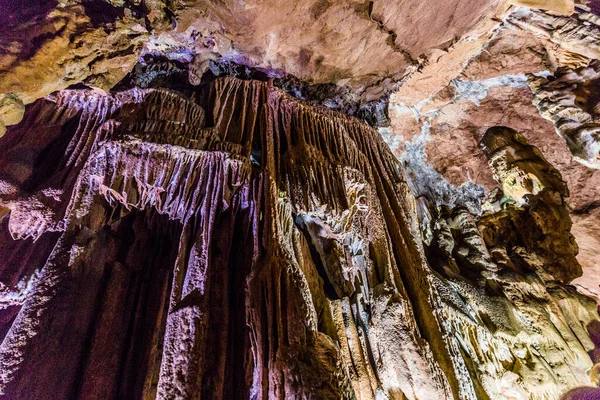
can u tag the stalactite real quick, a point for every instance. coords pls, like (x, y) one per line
(240, 244)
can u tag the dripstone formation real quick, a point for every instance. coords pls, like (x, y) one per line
(232, 242)
(300, 199)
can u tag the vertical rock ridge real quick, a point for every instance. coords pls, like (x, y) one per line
(257, 247)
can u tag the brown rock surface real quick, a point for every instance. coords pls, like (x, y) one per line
(182, 217)
(51, 46)
(571, 101)
(249, 245)
(493, 88)
(369, 45)
(532, 183)
(251, 235)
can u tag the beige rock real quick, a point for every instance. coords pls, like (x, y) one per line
(568, 100)
(11, 110)
(566, 7)
(456, 120)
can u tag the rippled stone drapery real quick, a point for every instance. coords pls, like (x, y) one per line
(571, 102)
(253, 247)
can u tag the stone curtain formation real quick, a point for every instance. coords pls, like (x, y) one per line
(233, 242)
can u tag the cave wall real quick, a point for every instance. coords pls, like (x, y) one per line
(538, 75)
(184, 215)
(237, 243)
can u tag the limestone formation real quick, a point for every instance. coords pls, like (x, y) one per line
(369, 46)
(526, 79)
(534, 185)
(570, 100)
(577, 34)
(269, 239)
(565, 7)
(299, 199)
(245, 245)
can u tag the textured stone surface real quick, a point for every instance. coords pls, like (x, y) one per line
(565, 7)
(250, 243)
(244, 244)
(47, 46)
(497, 87)
(369, 46)
(182, 214)
(571, 101)
(532, 183)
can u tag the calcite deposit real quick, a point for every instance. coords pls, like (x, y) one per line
(300, 200)
(538, 75)
(570, 99)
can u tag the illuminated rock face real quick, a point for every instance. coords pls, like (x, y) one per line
(236, 244)
(571, 101)
(537, 75)
(369, 45)
(532, 183)
(194, 202)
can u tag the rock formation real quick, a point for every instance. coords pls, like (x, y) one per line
(570, 100)
(299, 200)
(537, 69)
(260, 248)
